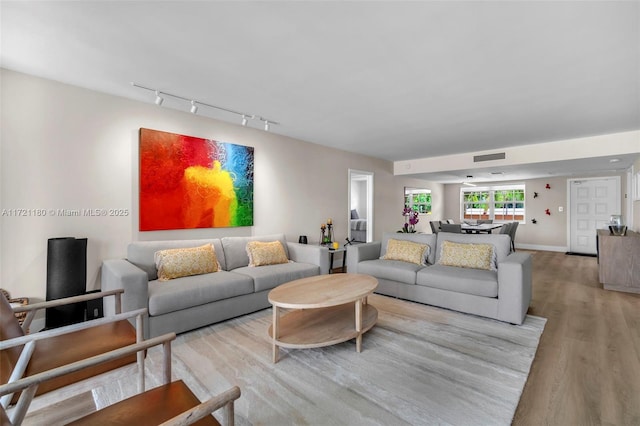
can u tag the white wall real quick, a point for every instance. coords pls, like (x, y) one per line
(636, 203)
(64, 147)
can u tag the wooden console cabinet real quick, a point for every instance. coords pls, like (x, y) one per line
(619, 261)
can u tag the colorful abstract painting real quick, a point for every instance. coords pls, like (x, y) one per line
(188, 182)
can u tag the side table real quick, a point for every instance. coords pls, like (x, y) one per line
(332, 252)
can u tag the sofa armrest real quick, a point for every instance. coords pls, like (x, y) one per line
(309, 253)
(360, 252)
(120, 273)
(514, 287)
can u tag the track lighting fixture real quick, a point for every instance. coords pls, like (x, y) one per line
(194, 107)
(159, 99)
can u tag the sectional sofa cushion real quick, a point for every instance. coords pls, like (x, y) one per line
(394, 270)
(270, 276)
(235, 249)
(184, 262)
(407, 251)
(186, 292)
(477, 282)
(266, 253)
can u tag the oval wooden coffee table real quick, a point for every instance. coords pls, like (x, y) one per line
(325, 310)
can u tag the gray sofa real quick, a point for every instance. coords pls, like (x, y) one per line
(186, 303)
(504, 294)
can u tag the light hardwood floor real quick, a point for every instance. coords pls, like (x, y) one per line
(587, 367)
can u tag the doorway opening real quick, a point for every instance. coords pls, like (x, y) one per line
(360, 206)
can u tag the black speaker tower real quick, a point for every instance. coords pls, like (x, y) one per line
(66, 277)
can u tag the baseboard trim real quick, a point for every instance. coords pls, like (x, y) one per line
(562, 249)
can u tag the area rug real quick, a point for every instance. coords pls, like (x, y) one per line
(419, 365)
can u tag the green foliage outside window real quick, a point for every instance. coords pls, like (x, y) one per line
(498, 204)
(419, 202)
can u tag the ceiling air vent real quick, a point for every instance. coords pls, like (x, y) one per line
(489, 157)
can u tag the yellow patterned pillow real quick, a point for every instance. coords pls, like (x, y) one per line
(476, 256)
(266, 253)
(183, 262)
(406, 251)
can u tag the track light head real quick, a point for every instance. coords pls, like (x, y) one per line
(196, 104)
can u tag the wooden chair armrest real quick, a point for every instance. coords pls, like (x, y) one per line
(204, 409)
(33, 308)
(66, 300)
(18, 341)
(31, 382)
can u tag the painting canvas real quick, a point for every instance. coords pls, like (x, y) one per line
(188, 182)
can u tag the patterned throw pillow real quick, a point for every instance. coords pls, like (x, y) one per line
(475, 256)
(183, 262)
(266, 253)
(407, 251)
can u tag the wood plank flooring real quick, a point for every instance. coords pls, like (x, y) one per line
(587, 368)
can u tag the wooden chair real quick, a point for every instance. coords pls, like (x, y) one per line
(25, 355)
(172, 403)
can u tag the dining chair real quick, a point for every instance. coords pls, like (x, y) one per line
(504, 229)
(512, 234)
(485, 221)
(435, 226)
(455, 228)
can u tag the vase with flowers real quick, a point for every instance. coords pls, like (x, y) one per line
(410, 221)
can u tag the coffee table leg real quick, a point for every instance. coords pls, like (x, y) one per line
(276, 325)
(359, 325)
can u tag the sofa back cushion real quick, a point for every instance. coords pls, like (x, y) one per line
(428, 239)
(141, 253)
(501, 242)
(235, 249)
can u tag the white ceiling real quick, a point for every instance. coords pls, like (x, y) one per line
(393, 80)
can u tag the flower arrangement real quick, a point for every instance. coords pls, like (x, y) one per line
(410, 220)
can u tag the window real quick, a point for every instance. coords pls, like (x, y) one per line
(418, 200)
(500, 203)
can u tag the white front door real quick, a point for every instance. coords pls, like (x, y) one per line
(592, 202)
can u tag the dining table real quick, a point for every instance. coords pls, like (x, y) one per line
(481, 227)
